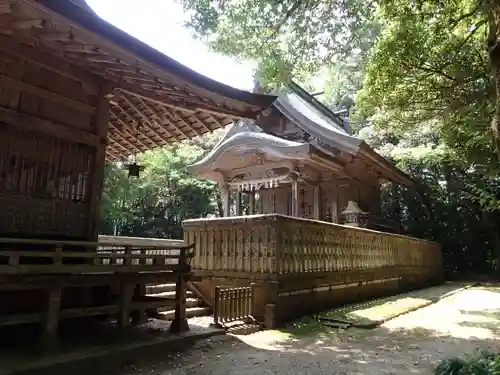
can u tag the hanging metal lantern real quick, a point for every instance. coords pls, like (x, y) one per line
(134, 169)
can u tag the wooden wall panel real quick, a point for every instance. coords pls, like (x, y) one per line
(50, 175)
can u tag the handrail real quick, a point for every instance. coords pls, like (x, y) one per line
(31, 241)
(283, 245)
(142, 242)
(114, 255)
(236, 220)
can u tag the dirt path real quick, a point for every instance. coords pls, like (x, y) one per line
(410, 344)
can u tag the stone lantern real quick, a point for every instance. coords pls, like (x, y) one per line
(354, 216)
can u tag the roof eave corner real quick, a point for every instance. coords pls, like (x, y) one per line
(398, 175)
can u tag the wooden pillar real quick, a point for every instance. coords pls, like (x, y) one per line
(295, 198)
(96, 181)
(238, 203)
(225, 199)
(180, 324)
(251, 202)
(335, 211)
(139, 316)
(317, 202)
(125, 307)
(51, 319)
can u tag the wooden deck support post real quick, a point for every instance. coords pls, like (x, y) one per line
(180, 324)
(49, 340)
(139, 316)
(125, 306)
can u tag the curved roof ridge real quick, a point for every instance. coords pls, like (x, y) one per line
(297, 89)
(310, 119)
(251, 140)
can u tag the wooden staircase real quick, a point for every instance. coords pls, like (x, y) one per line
(195, 306)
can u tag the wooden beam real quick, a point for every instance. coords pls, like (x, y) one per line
(5, 6)
(30, 24)
(52, 63)
(137, 130)
(181, 117)
(157, 117)
(217, 122)
(137, 110)
(80, 48)
(170, 121)
(36, 124)
(152, 96)
(201, 123)
(6, 81)
(56, 37)
(134, 148)
(131, 144)
(111, 144)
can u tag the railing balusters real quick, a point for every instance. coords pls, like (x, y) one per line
(286, 245)
(232, 304)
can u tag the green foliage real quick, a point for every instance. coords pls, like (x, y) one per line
(481, 364)
(430, 66)
(288, 37)
(455, 203)
(165, 194)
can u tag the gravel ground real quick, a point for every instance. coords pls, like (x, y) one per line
(409, 344)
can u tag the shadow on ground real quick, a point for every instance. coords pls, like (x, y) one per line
(410, 344)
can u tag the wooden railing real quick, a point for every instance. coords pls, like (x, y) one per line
(237, 244)
(275, 244)
(29, 256)
(232, 304)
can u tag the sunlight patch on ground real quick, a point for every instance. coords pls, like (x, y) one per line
(471, 313)
(389, 309)
(268, 340)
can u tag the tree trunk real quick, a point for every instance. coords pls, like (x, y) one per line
(493, 16)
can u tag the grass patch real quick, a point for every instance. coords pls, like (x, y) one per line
(484, 363)
(306, 326)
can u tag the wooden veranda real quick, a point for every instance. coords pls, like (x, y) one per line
(297, 266)
(76, 92)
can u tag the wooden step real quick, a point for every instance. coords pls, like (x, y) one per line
(160, 288)
(170, 294)
(190, 302)
(190, 313)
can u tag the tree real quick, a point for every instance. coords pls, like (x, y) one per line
(453, 204)
(287, 38)
(430, 68)
(155, 204)
(294, 38)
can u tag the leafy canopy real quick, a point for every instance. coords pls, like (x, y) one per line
(430, 67)
(287, 37)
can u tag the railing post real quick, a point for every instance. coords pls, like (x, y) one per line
(217, 307)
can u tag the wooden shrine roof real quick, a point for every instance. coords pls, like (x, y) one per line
(331, 147)
(156, 99)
